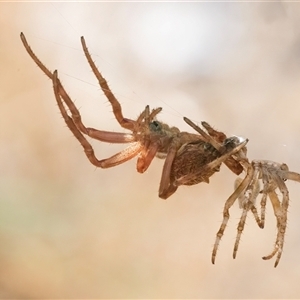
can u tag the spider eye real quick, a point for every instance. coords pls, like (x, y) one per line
(155, 126)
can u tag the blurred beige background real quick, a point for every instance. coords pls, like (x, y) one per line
(68, 229)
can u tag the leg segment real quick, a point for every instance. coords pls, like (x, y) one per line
(280, 211)
(104, 136)
(279, 216)
(164, 191)
(124, 122)
(216, 138)
(230, 201)
(248, 203)
(116, 159)
(146, 156)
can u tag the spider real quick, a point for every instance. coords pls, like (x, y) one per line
(271, 174)
(189, 158)
(148, 137)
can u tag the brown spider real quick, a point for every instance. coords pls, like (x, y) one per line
(189, 158)
(148, 137)
(272, 175)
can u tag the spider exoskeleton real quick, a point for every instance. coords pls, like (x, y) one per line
(271, 175)
(148, 138)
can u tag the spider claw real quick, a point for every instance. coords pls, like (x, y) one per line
(213, 260)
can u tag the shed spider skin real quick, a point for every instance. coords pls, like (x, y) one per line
(190, 158)
(268, 174)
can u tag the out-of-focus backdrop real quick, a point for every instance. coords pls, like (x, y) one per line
(68, 229)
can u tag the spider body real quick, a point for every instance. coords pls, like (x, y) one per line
(197, 161)
(148, 138)
(193, 156)
(190, 158)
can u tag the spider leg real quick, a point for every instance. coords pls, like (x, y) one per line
(242, 200)
(169, 191)
(266, 189)
(229, 202)
(124, 122)
(248, 203)
(165, 190)
(280, 212)
(231, 163)
(104, 136)
(217, 135)
(146, 157)
(34, 57)
(207, 137)
(292, 176)
(215, 138)
(273, 177)
(263, 203)
(116, 159)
